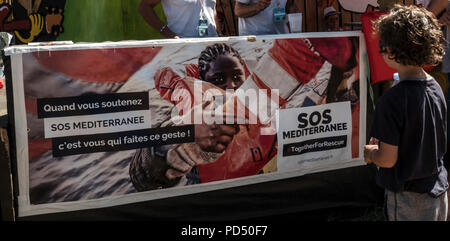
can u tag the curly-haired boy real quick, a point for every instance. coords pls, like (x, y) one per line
(410, 121)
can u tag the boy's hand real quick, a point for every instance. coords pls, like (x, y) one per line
(368, 150)
(374, 141)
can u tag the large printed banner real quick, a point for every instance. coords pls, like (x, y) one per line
(100, 125)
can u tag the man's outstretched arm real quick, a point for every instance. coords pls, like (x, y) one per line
(437, 6)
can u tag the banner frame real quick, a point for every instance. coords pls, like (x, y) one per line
(22, 162)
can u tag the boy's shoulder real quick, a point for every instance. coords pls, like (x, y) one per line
(393, 95)
(410, 91)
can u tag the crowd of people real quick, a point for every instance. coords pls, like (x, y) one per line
(200, 18)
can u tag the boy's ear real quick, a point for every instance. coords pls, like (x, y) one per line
(389, 53)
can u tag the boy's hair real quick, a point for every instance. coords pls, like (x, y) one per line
(210, 54)
(413, 34)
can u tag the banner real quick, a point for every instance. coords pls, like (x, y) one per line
(99, 125)
(379, 70)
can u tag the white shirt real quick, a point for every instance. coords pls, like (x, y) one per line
(183, 15)
(262, 23)
(423, 2)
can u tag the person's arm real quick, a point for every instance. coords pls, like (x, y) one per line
(167, 166)
(383, 156)
(249, 10)
(218, 18)
(148, 169)
(437, 6)
(147, 11)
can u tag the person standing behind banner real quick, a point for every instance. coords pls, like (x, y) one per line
(410, 119)
(185, 18)
(441, 9)
(261, 17)
(332, 19)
